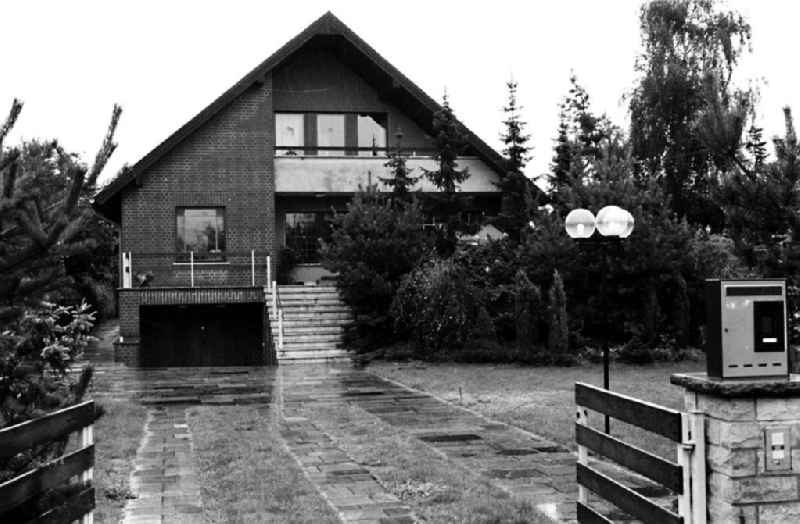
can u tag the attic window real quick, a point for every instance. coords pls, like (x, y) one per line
(330, 134)
(289, 133)
(371, 128)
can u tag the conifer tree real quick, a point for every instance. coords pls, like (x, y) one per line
(400, 180)
(449, 142)
(43, 211)
(515, 186)
(558, 333)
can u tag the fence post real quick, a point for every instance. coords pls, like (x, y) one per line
(275, 298)
(698, 467)
(685, 448)
(583, 455)
(269, 270)
(252, 268)
(127, 270)
(87, 477)
(191, 268)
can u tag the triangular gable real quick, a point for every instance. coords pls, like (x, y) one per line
(327, 24)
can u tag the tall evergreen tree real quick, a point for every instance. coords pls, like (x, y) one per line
(584, 138)
(449, 141)
(401, 181)
(515, 186)
(447, 208)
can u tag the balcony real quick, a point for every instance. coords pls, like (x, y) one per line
(345, 173)
(190, 270)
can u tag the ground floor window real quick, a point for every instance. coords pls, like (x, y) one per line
(304, 231)
(200, 230)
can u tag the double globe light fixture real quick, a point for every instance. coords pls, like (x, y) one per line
(611, 221)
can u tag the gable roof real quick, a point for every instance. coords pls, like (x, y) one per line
(107, 200)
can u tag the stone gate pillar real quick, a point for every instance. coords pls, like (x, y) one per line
(752, 446)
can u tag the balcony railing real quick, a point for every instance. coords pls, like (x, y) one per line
(351, 151)
(195, 269)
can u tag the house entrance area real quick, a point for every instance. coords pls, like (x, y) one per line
(202, 335)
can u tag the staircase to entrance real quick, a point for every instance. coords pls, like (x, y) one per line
(307, 322)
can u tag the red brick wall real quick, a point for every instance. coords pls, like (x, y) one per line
(227, 162)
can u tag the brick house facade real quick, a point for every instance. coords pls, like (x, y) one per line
(225, 170)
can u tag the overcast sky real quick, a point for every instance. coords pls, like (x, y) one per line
(164, 61)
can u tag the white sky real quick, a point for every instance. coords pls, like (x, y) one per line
(163, 61)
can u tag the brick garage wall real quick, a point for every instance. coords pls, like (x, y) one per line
(740, 489)
(227, 162)
(126, 350)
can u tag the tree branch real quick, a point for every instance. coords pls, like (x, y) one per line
(106, 149)
(16, 108)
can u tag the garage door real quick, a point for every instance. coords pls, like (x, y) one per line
(202, 335)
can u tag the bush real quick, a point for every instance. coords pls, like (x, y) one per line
(440, 309)
(373, 245)
(36, 354)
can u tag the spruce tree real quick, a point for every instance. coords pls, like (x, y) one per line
(400, 180)
(449, 142)
(515, 186)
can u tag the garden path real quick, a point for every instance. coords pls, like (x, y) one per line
(525, 465)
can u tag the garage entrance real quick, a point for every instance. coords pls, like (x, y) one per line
(202, 335)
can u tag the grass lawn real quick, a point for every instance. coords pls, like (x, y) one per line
(245, 473)
(541, 399)
(117, 435)
(424, 480)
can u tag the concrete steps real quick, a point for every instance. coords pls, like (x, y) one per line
(313, 320)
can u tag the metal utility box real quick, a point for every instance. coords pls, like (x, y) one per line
(746, 328)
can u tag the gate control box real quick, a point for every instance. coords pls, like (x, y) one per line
(746, 328)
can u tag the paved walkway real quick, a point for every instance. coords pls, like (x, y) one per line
(527, 466)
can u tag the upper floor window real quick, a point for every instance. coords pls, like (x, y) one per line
(289, 133)
(330, 133)
(201, 230)
(371, 128)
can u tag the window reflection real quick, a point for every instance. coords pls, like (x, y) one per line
(371, 133)
(289, 132)
(330, 133)
(202, 231)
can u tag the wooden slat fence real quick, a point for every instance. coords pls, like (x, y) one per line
(75, 469)
(686, 478)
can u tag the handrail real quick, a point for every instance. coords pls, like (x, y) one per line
(278, 308)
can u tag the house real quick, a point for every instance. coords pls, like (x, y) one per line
(204, 215)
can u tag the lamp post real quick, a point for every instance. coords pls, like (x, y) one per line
(613, 223)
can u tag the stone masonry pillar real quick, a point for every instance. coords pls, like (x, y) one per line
(752, 446)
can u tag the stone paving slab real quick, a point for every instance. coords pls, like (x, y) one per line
(527, 466)
(348, 487)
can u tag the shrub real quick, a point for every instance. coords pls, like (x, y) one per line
(36, 353)
(492, 268)
(373, 245)
(440, 309)
(527, 312)
(558, 330)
